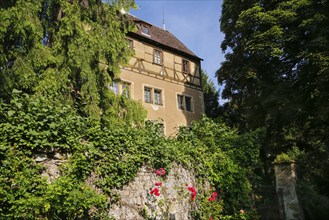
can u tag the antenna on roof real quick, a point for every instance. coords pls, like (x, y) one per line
(163, 19)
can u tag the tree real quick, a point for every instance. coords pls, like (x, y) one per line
(210, 96)
(275, 74)
(64, 49)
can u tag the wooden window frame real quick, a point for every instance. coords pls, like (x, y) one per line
(157, 57)
(185, 66)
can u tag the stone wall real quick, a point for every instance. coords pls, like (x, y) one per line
(174, 202)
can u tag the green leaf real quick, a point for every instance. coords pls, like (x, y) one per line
(19, 105)
(11, 113)
(16, 91)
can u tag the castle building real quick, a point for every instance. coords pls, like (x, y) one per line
(165, 75)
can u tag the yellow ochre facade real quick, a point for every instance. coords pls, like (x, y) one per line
(165, 76)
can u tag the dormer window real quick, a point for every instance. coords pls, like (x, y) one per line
(145, 30)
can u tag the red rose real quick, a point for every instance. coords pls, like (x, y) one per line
(155, 191)
(193, 192)
(213, 197)
(160, 172)
(214, 194)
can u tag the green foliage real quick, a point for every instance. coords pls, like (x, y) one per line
(275, 75)
(107, 158)
(21, 187)
(220, 156)
(122, 110)
(208, 209)
(63, 50)
(210, 96)
(57, 59)
(68, 199)
(314, 203)
(283, 157)
(292, 155)
(38, 124)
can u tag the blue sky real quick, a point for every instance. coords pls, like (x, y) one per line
(194, 22)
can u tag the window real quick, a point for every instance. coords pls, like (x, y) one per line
(184, 103)
(115, 87)
(156, 125)
(130, 43)
(153, 95)
(157, 56)
(121, 88)
(188, 103)
(185, 66)
(147, 95)
(145, 30)
(125, 89)
(180, 102)
(157, 97)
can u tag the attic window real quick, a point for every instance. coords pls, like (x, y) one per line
(145, 30)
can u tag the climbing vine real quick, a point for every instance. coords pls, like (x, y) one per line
(111, 157)
(57, 60)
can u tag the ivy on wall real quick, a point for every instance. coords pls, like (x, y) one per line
(57, 59)
(30, 126)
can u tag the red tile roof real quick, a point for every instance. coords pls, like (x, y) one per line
(161, 37)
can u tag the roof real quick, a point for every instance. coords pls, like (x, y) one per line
(161, 37)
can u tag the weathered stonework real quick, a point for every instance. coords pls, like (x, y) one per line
(285, 174)
(174, 201)
(136, 202)
(51, 171)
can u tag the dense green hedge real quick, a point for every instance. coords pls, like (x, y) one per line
(30, 125)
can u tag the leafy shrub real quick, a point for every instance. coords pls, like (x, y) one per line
(113, 155)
